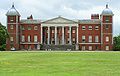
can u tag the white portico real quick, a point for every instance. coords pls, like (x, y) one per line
(59, 31)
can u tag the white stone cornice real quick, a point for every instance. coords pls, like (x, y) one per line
(58, 25)
(107, 23)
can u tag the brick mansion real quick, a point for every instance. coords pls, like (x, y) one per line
(60, 33)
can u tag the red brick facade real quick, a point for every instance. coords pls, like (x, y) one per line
(28, 34)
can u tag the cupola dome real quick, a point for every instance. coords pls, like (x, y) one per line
(107, 11)
(12, 12)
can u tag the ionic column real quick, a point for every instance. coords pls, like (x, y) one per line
(55, 35)
(70, 35)
(48, 35)
(77, 35)
(63, 37)
(41, 34)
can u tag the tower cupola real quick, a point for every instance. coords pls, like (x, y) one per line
(107, 11)
(12, 12)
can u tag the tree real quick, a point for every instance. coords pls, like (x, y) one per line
(3, 36)
(116, 46)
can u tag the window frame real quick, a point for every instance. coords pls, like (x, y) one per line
(11, 39)
(90, 27)
(83, 39)
(35, 38)
(90, 39)
(11, 27)
(23, 38)
(97, 39)
(83, 27)
(107, 39)
(35, 27)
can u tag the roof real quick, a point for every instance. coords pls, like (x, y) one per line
(90, 21)
(12, 12)
(30, 21)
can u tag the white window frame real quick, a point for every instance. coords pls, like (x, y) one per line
(106, 26)
(83, 48)
(11, 27)
(107, 39)
(90, 27)
(97, 27)
(11, 39)
(35, 38)
(29, 38)
(90, 48)
(90, 39)
(11, 19)
(23, 38)
(96, 38)
(22, 27)
(83, 38)
(35, 27)
(107, 48)
(83, 27)
(29, 28)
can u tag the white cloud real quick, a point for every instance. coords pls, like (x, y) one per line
(74, 9)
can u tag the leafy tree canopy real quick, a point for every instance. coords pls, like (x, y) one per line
(117, 43)
(3, 36)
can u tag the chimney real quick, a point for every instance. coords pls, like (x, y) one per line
(94, 16)
(31, 17)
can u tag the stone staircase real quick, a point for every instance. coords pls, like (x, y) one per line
(58, 47)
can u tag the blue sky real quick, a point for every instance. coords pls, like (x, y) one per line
(72, 9)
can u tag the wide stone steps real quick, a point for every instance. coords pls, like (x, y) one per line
(58, 47)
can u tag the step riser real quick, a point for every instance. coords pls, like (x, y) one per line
(58, 47)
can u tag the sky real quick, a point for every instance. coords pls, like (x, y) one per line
(71, 9)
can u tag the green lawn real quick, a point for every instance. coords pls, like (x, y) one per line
(59, 63)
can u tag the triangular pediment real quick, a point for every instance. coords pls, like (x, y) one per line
(59, 20)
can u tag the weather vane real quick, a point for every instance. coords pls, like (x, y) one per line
(108, 1)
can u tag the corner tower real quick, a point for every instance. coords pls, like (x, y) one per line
(13, 20)
(107, 29)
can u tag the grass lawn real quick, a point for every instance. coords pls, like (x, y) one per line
(59, 63)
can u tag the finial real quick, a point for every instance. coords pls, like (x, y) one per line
(106, 5)
(13, 5)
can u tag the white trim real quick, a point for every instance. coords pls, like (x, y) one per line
(58, 25)
(89, 43)
(41, 35)
(101, 30)
(77, 35)
(70, 34)
(12, 23)
(63, 36)
(107, 23)
(17, 37)
(29, 42)
(112, 30)
(48, 30)
(55, 35)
